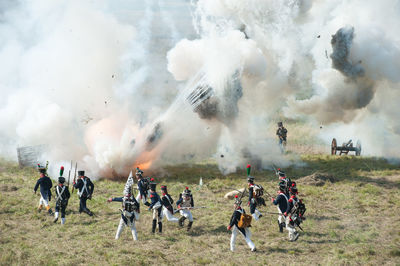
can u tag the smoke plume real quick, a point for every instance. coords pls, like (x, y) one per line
(115, 85)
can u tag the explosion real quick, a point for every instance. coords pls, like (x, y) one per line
(114, 92)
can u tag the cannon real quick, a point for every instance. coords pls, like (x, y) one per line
(346, 147)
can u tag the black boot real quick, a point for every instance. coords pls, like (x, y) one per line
(189, 225)
(153, 229)
(182, 220)
(281, 226)
(160, 227)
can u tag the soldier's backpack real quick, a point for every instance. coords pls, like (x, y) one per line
(245, 220)
(258, 191)
(146, 183)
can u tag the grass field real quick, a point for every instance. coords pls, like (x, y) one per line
(353, 217)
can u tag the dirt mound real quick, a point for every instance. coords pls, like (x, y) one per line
(317, 179)
(7, 188)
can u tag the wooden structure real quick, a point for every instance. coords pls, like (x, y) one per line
(30, 155)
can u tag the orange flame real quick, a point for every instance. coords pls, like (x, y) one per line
(143, 166)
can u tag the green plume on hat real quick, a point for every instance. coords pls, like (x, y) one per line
(61, 170)
(248, 169)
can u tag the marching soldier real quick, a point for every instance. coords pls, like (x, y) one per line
(184, 204)
(45, 190)
(237, 226)
(156, 206)
(62, 197)
(281, 132)
(283, 204)
(129, 214)
(85, 190)
(255, 193)
(167, 208)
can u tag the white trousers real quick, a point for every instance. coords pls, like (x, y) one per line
(43, 201)
(256, 214)
(281, 218)
(187, 214)
(121, 227)
(235, 232)
(291, 229)
(144, 199)
(169, 215)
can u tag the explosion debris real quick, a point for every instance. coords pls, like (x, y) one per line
(154, 137)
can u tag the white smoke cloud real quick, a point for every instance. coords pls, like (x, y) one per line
(107, 84)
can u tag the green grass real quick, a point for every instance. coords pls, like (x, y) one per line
(352, 220)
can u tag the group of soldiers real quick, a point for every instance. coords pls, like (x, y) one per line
(291, 209)
(159, 206)
(84, 186)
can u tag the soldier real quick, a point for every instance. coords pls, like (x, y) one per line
(167, 209)
(295, 214)
(62, 197)
(283, 204)
(129, 214)
(45, 190)
(155, 205)
(184, 204)
(255, 199)
(282, 134)
(143, 186)
(85, 187)
(243, 228)
(281, 174)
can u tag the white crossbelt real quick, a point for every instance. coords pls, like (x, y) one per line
(60, 193)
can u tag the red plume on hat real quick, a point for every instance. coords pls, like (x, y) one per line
(61, 170)
(248, 169)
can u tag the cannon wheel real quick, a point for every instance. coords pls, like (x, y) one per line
(358, 148)
(333, 146)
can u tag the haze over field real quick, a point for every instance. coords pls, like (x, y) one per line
(115, 84)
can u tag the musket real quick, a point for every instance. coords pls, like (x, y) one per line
(76, 166)
(300, 227)
(69, 173)
(47, 166)
(188, 208)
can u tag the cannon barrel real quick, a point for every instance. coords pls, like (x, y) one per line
(345, 148)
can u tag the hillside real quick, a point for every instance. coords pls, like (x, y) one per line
(353, 211)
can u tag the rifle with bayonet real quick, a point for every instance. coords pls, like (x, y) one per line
(76, 166)
(69, 173)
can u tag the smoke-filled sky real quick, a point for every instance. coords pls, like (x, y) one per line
(113, 84)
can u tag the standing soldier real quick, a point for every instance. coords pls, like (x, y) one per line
(283, 204)
(62, 197)
(167, 202)
(239, 226)
(255, 193)
(142, 186)
(129, 214)
(85, 187)
(155, 205)
(184, 204)
(45, 190)
(282, 134)
(295, 214)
